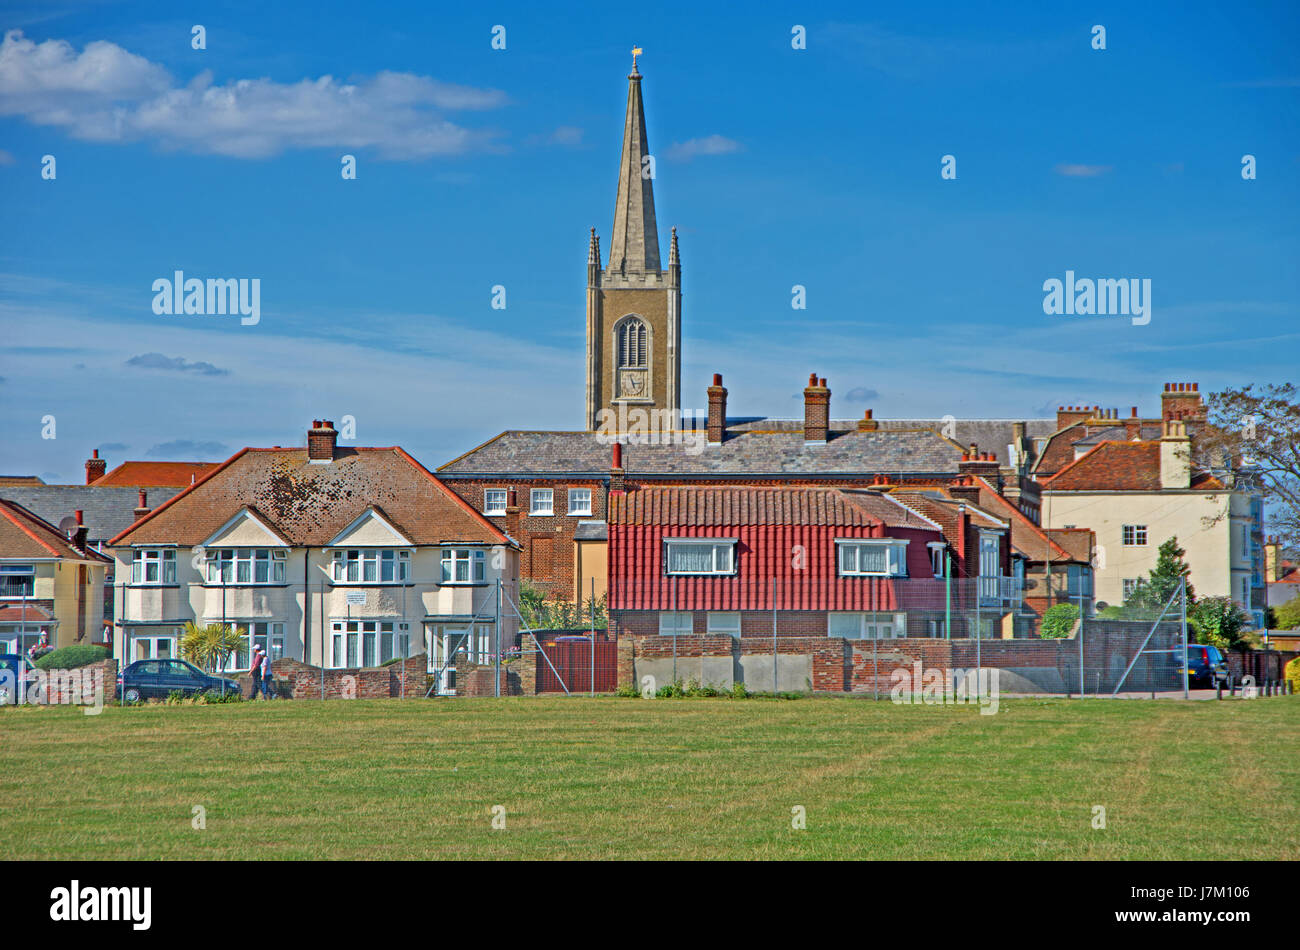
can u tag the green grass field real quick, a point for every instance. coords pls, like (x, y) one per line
(628, 778)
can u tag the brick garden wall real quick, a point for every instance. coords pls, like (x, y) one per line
(840, 665)
(297, 680)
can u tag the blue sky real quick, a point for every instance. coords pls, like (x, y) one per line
(479, 167)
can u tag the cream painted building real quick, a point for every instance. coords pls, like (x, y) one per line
(51, 582)
(336, 556)
(1137, 494)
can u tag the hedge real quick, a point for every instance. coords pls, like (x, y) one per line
(71, 657)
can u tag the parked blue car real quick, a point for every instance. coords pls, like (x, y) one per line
(1205, 664)
(157, 679)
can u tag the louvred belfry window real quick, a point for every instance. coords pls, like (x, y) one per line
(632, 345)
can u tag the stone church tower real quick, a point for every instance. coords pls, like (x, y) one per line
(634, 309)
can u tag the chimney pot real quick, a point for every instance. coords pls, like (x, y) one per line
(812, 379)
(717, 379)
(81, 516)
(618, 455)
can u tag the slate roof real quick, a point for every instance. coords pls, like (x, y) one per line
(25, 535)
(108, 509)
(990, 435)
(311, 503)
(698, 506)
(156, 474)
(749, 453)
(591, 531)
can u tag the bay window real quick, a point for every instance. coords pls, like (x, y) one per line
(371, 566)
(700, 556)
(463, 566)
(245, 565)
(17, 580)
(364, 643)
(153, 566)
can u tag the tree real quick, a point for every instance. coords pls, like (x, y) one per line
(1152, 593)
(1058, 622)
(1256, 433)
(1219, 621)
(209, 646)
(1288, 614)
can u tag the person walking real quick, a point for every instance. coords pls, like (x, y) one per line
(267, 681)
(255, 671)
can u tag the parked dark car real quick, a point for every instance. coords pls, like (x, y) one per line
(1205, 664)
(16, 677)
(156, 679)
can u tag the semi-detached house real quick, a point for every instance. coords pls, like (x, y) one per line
(336, 556)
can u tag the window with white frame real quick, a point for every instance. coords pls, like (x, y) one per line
(1133, 535)
(362, 643)
(579, 501)
(463, 566)
(873, 558)
(1130, 587)
(371, 566)
(866, 625)
(724, 623)
(700, 556)
(541, 501)
(245, 565)
(269, 635)
(938, 555)
(494, 501)
(17, 580)
(676, 623)
(153, 566)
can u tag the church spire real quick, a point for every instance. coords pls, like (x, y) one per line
(634, 245)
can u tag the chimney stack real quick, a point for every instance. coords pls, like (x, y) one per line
(1182, 401)
(142, 509)
(717, 411)
(816, 411)
(616, 483)
(1272, 561)
(95, 467)
(1175, 456)
(965, 489)
(321, 440)
(867, 423)
(1069, 415)
(513, 514)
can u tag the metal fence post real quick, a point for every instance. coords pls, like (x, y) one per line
(1082, 682)
(773, 636)
(1182, 597)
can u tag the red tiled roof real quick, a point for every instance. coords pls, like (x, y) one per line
(1111, 466)
(310, 503)
(24, 535)
(156, 474)
(32, 614)
(944, 510)
(700, 506)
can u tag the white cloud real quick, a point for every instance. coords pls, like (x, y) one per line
(709, 145)
(1081, 171)
(106, 94)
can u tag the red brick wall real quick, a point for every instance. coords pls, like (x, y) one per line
(547, 540)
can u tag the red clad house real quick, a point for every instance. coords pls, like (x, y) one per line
(817, 562)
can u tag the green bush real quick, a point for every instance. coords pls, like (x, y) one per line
(739, 690)
(71, 657)
(1288, 615)
(1291, 673)
(1059, 621)
(628, 691)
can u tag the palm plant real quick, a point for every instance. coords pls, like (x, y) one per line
(210, 645)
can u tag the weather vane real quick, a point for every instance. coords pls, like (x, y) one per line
(636, 51)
